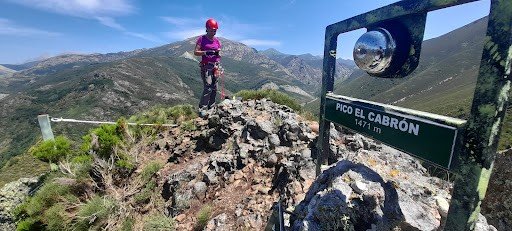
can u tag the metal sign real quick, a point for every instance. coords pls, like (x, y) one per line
(401, 27)
(427, 136)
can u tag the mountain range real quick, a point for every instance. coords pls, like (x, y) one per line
(107, 86)
(4, 71)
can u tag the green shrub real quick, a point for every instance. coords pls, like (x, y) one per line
(94, 212)
(188, 126)
(203, 216)
(47, 196)
(182, 113)
(150, 170)
(55, 218)
(144, 195)
(46, 208)
(273, 95)
(82, 159)
(309, 115)
(125, 164)
(52, 150)
(29, 224)
(160, 115)
(81, 165)
(128, 224)
(109, 135)
(158, 222)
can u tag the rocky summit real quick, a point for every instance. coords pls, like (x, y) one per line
(243, 156)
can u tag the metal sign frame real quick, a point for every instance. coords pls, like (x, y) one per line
(476, 148)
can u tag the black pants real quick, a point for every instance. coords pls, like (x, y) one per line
(209, 86)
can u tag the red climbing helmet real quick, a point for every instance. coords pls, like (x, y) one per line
(212, 24)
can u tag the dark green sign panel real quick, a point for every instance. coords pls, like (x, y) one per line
(427, 136)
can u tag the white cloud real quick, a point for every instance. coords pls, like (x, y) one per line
(9, 28)
(229, 28)
(147, 37)
(259, 42)
(110, 22)
(81, 8)
(180, 21)
(101, 10)
(184, 34)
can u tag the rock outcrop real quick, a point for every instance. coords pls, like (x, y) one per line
(12, 195)
(244, 156)
(226, 170)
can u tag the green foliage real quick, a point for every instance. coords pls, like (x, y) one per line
(46, 209)
(128, 224)
(29, 224)
(142, 197)
(158, 222)
(81, 165)
(47, 196)
(203, 216)
(126, 164)
(273, 95)
(145, 194)
(150, 170)
(82, 159)
(52, 150)
(188, 126)
(55, 218)
(160, 115)
(109, 136)
(308, 115)
(94, 212)
(22, 166)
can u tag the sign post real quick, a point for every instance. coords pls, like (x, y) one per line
(46, 128)
(424, 135)
(467, 148)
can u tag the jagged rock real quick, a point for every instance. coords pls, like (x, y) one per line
(221, 162)
(306, 154)
(218, 223)
(326, 201)
(200, 190)
(12, 195)
(481, 224)
(211, 178)
(267, 152)
(272, 160)
(274, 141)
(359, 186)
(443, 205)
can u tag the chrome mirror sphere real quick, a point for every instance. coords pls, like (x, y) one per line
(374, 50)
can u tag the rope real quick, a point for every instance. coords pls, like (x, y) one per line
(103, 122)
(220, 71)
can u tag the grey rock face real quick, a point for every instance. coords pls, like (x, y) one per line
(369, 187)
(200, 190)
(218, 223)
(12, 195)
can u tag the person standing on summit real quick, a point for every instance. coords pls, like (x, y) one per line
(208, 47)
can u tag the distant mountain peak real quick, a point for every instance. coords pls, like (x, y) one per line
(271, 52)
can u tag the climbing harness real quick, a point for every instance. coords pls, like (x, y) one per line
(217, 71)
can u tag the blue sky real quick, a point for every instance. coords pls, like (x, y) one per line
(31, 29)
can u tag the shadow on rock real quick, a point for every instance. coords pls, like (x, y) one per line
(349, 196)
